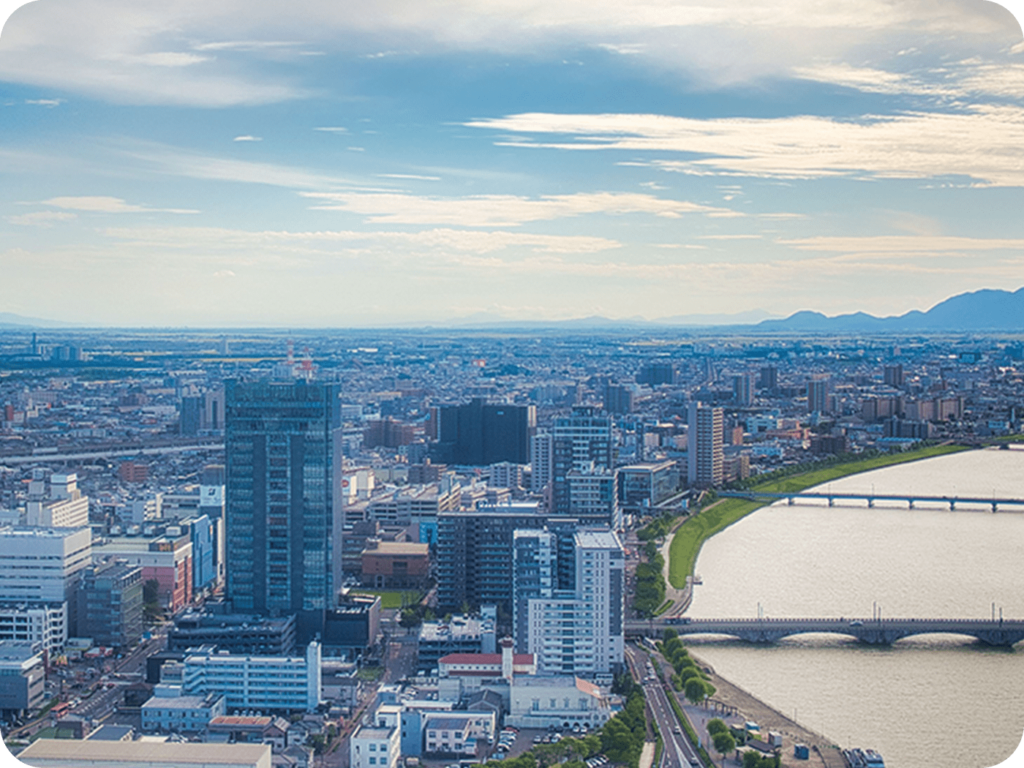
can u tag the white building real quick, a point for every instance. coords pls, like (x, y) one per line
(265, 683)
(42, 565)
(45, 623)
(374, 747)
(168, 710)
(63, 507)
(541, 458)
(457, 733)
(591, 615)
(562, 702)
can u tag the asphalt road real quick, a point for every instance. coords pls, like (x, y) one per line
(678, 752)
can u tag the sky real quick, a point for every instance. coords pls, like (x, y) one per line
(332, 163)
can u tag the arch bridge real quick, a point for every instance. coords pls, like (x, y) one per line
(871, 631)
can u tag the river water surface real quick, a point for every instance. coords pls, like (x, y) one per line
(935, 701)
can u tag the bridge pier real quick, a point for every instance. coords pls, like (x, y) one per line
(995, 507)
(871, 502)
(831, 501)
(791, 501)
(910, 502)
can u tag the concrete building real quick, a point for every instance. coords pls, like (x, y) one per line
(66, 753)
(60, 505)
(480, 434)
(506, 474)
(234, 633)
(643, 486)
(265, 683)
(817, 396)
(44, 623)
(170, 711)
(22, 677)
(462, 634)
(109, 603)
(594, 496)
(704, 446)
(372, 747)
(42, 565)
(559, 702)
(395, 565)
(165, 559)
(541, 458)
(534, 574)
(582, 632)
(580, 442)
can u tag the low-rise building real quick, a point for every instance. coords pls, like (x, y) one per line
(374, 747)
(169, 710)
(45, 623)
(560, 702)
(65, 753)
(395, 565)
(242, 729)
(22, 676)
(265, 683)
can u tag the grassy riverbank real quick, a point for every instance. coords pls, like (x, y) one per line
(692, 534)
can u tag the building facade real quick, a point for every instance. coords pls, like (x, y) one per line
(279, 509)
(704, 446)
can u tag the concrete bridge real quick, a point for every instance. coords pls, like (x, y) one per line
(872, 631)
(871, 498)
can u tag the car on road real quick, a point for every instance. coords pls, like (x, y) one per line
(694, 761)
(677, 731)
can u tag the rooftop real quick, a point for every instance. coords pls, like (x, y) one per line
(112, 753)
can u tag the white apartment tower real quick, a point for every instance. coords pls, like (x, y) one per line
(581, 632)
(540, 461)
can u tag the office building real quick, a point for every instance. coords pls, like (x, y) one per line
(594, 497)
(479, 434)
(769, 378)
(172, 712)
(372, 747)
(655, 374)
(618, 399)
(266, 683)
(190, 415)
(892, 375)
(22, 677)
(166, 559)
(42, 565)
(109, 604)
(279, 510)
(704, 446)
(557, 702)
(505, 474)
(42, 623)
(644, 486)
(234, 633)
(462, 634)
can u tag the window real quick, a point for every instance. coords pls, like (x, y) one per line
(373, 761)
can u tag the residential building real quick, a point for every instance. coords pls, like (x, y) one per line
(704, 445)
(61, 505)
(541, 458)
(743, 389)
(580, 442)
(817, 396)
(371, 747)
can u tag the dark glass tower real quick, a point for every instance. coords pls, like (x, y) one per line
(279, 499)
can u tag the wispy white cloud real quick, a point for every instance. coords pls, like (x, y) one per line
(332, 129)
(103, 204)
(247, 138)
(439, 239)
(502, 210)
(982, 142)
(40, 218)
(45, 102)
(909, 245)
(412, 176)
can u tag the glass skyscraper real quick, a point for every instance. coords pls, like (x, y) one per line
(279, 499)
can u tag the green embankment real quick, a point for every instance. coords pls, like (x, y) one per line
(692, 534)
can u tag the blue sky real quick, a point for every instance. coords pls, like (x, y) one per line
(328, 163)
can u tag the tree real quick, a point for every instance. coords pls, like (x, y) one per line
(686, 674)
(724, 743)
(716, 726)
(695, 690)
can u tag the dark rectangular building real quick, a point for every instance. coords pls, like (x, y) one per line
(479, 434)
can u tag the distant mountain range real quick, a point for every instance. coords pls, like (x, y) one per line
(985, 310)
(10, 320)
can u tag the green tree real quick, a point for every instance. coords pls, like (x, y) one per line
(717, 725)
(694, 689)
(724, 743)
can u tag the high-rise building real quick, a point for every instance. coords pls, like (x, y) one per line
(654, 374)
(581, 632)
(42, 565)
(704, 445)
(893, 375)
(480, 434)
(109, 603)
(817, 396)
(190, 415)
(769, 377)
(618, 399)
(742, 389)
(541, 448)
(580, 442)
(534, 574)
(279, 512)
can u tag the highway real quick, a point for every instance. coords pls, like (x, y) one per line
(678, 752)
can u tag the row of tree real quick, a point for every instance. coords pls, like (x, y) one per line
(649, 593)
(689, 677)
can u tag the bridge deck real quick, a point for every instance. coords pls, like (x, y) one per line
(871, 498)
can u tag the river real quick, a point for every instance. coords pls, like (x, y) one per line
(935, 701)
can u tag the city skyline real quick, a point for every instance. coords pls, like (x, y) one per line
(343, 166)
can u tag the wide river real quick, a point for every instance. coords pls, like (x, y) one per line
(936, 701)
